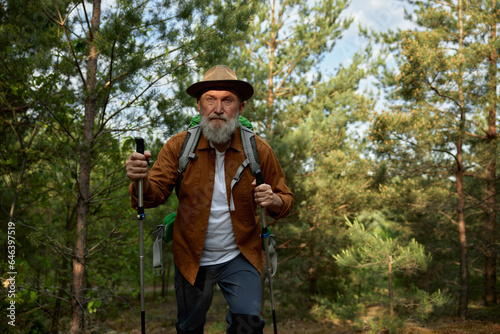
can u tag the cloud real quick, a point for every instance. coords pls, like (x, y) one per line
(378, 15)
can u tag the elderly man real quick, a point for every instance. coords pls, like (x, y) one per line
(214, 242)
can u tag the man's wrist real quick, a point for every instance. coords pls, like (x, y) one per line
(276, 205)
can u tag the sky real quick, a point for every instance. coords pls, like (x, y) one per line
(379, 15)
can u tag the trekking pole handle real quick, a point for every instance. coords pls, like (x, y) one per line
(139, 144)
(259, 178)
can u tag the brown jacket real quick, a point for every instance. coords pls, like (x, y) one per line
(195, 197)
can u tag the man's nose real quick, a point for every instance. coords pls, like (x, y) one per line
(218, 107)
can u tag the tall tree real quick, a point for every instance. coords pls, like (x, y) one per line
(28, 98)
(432, 127)
(84, 151)
(21, 110)
(490, 10)
(307, 114)
(114, 66)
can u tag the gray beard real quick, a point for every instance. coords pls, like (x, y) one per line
(218, 135)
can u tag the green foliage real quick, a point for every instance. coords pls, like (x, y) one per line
(422, 305)
(435, 127)
(344, 308)
(385, 257)
(61, 122)
(398, 181)
(386, 324)
(371, 250)
(306, 115)
(217, 327)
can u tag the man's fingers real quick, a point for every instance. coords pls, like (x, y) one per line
(263, 195)
(137, 165)
(139, 156)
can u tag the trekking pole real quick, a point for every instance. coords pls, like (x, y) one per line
(265, 238)
(141, 215)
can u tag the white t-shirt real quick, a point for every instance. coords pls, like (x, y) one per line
(220, 243)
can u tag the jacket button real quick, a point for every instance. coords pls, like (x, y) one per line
(203, 229)
(207, 204)
(197, 252)
(211, 178)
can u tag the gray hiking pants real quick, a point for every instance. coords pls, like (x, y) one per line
(240, 284)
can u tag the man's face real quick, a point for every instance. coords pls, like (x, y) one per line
(219, 111)
(220, 106)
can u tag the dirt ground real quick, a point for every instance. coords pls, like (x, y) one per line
(297, 326)
(160, 319)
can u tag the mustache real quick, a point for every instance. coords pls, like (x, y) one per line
(218, 117)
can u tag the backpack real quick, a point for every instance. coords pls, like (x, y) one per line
(165, 231)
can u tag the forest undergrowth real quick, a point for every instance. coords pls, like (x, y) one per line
(161, 313)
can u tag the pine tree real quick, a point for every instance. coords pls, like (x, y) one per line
(435, 98)
(386, 255)
(489, 12)
(309, 117)
(110, 65)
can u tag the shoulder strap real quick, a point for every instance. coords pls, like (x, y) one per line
(250, 148)
(188, 147)
(252, 159)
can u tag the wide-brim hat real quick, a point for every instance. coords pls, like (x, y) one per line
(221, 77)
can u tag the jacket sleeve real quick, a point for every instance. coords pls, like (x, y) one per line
(162, 176)
(273, 175)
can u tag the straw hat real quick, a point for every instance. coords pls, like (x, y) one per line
(221, 77)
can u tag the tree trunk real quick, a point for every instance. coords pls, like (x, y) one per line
(85, 167)
(464, 276)
(79, 253)
(272, 50)
(490, 260)
(391, 291)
